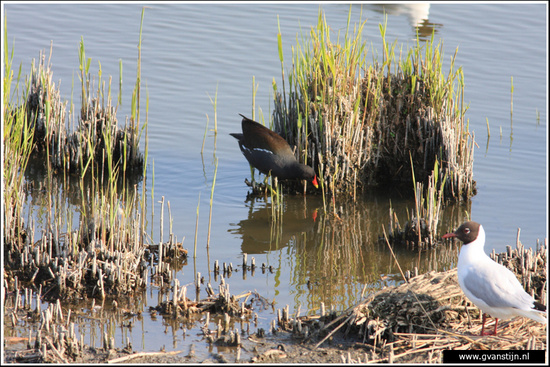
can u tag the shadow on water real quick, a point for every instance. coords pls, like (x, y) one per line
(337, 257)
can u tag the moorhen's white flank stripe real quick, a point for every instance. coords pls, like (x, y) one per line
(257, 149)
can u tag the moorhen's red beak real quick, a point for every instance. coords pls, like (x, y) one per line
(315, 183)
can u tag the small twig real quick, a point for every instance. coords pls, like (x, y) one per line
(56, 352)
(403, 275)
(334, 330)
(395, 258)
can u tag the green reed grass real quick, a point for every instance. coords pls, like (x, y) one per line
(254, 91)
(211, 204)
(428, 204)
(511, 96)
(215, 105)
(17, 145)
(196, 228)
(95, 161)
(356, 122)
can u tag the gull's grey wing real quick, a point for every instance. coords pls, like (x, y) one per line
(497, 286)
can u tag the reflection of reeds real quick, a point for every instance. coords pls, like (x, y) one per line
(335, 259)
(335, 255)
(356, 124)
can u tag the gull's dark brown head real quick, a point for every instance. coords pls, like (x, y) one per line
(467, 232)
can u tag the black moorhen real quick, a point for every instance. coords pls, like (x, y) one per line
(268, 152)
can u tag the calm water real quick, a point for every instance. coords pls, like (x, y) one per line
(192, 53)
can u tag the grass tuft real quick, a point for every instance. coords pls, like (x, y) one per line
(357, 124)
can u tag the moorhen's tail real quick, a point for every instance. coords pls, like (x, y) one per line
(239, 136)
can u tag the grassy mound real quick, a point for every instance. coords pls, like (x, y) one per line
(361, 124)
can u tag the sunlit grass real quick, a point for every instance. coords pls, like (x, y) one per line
(357, 122)
(17, 145)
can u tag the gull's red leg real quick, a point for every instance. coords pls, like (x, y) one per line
(484, 317)
(496, 323)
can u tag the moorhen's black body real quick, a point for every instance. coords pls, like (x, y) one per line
(268, 152)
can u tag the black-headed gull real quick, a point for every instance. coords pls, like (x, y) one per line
(493, 288)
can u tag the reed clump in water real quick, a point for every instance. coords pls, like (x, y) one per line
(17, 147)
(98, 140)
(359, 124)
(106, 254)
(421, 228)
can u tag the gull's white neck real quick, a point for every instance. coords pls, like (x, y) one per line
(473, 252)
